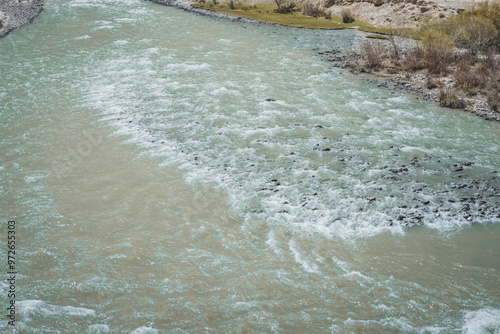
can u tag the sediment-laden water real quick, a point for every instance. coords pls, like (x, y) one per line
(175, 173)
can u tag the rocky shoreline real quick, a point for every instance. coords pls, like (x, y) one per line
(413, 83)
(16, 13)
(416, 84)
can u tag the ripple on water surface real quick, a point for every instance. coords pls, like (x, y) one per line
(306, 154)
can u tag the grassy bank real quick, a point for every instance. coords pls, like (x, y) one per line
(267, 13)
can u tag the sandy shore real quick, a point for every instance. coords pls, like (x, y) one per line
(16, 13)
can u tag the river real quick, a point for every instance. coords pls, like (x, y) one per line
(175, 173)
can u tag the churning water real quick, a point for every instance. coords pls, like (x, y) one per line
(174, 173)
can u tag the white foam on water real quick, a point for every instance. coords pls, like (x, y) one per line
(144, 330)
(271, 241)
(82, 37)
(120, 42)
(310, 267)
(219, 129)
(483, 321)
(98, 329)
(117, 256)
(109, 26)
(38, 308)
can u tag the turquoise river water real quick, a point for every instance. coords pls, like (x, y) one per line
(175, 173)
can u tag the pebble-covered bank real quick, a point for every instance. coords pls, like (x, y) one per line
(416, 84)
(16, 13)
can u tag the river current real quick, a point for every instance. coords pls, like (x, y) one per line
(175, 173)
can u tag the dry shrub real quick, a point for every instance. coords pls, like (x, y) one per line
(285, 6)
(491, 11)
(394, 47)
(347, 16)
(493, 99)
(313, 9)
(490, 59)
(437, 49)
(473, 33)
(372, 53)
(432, 83)
(413, 59)
(329, 3)
(476, 33)
(488, 70)
(467, 58)
(474, 29)
(449, 98)
(467, 78)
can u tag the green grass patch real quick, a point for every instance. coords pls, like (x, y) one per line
(267, 13)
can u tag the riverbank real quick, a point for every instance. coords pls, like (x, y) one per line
(455, 62)
(14, 14)
(267, 13)
(439, 88)
(423, 86)
(369, 15)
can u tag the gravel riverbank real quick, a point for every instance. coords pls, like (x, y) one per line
(15, 13)
(417, 84)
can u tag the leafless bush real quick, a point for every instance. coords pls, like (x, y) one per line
(372, 53)
(329, 3)
(449, 98)
(285, 6)
(467, 77)
(413, 59)
(490, 58)
(432, 83)
(313, 9)
(437, 49)
(493, 99)
(394, 47)
(347, 16)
